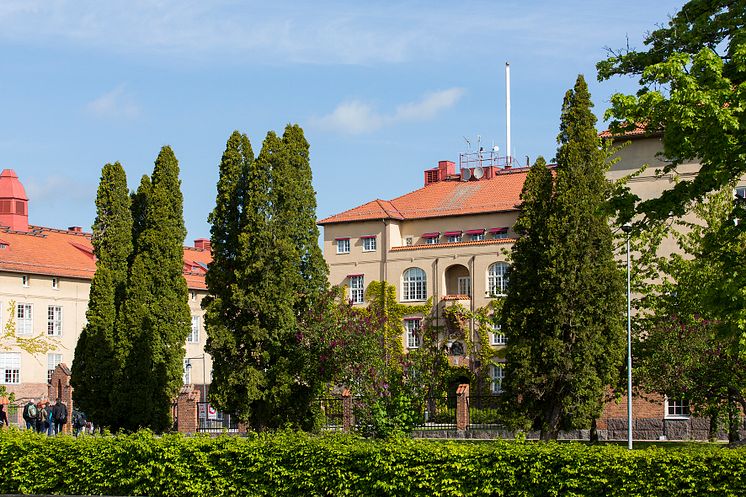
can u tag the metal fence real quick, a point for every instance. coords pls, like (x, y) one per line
(483, 412)
(438, 413)
(332, 413)
(214, 421)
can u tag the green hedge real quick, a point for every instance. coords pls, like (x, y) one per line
(299, 464)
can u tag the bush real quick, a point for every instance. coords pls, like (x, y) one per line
(288, 463)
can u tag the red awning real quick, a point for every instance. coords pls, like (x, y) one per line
(342, 238)
(475, 232)
(496, 231)
(434, 234)
(452, 233)
(353, 275)
(368, 236)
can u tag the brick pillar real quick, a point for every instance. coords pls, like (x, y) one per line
(347, 419)
(60, 388)
(188, 417)
(462, 407)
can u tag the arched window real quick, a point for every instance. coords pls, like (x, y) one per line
(497, 279)
(414, 284)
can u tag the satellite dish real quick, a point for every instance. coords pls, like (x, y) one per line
(465, 174)
(478, 172)
(495, 148)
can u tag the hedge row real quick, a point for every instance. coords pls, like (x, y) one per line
(299, 464)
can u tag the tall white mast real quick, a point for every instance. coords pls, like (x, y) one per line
(507, 112)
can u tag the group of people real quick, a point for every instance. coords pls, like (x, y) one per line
(45, 418)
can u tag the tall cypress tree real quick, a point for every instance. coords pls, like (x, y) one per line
(266, 274)
(566, 341)
(112, 245)
(156, 314)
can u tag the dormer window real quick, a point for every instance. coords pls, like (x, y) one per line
(431, 238)
(453, 236)
(475, 235)
(498, 233)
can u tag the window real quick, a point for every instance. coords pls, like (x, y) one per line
(53, 361)
(24, 319)
(10, 367)
(432, 240)
(193, 336)
(55, 284)
(357, 288)
(343, 245)
(54, 320)
(477, 237)
(464, 285)
(193, 295)
(414, 284)
(412, 327)
(408, 241)
(497, 337)
(454, 238)
(498, 233)
(497, 374)
(740, 192)
(677, 408)
(369, 244)
(24, 280)
(497, 279)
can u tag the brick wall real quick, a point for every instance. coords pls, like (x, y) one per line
(187, 420)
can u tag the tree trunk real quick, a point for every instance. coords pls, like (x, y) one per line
(594, 432)
(733, 422)
(713, 431)
(550, 426)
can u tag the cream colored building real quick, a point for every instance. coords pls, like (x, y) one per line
(45, 279)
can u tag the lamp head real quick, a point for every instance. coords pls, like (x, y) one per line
(627, 227)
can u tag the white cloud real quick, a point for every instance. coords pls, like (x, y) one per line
(356, 117)
(114, 104)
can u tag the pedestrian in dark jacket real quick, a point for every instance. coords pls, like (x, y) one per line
(40, 417)
(59, 415)
(29, 415)
(3, 416)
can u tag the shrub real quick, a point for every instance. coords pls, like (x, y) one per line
(289, 463)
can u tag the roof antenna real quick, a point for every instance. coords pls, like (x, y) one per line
(468, 144)
(508, 158)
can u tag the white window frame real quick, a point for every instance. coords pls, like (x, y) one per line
(53, 360)
(498, 279)
(54, 320)
(479, 237)
(500, 235)
(369, 244)
(463, 285)
(357, 289)
(193, 336)
(10, 368)
(343, 245)
(55, 284)
(24, 319)
(408, 241)
(677, 408)
(413, 328)
(187, 374)
(497, 337)
(432, 240)
(25, 281)
(193, 296)
(740, 191)
(497, 376)
(414, 285)
(454, 238)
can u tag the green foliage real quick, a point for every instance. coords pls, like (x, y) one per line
(155, 316)
(95, 353)
(268, 273)
(288, 463)
(563, 312)
(692, 82)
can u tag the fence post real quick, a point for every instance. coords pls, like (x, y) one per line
(347, 420)
(187, 408)
(462, 407)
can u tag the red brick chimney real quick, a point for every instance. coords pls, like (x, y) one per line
(202, 243)
(13, 202)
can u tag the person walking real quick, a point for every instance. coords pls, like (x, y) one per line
(59, 415)
(29, 415)
(3, 416)
(40, 428)
(48, 421)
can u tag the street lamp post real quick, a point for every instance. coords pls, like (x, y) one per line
(627, 228)
(204, 374)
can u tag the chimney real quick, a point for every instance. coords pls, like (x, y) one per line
(76, 229)
(202, 243)
(13, 202)
(446, 168)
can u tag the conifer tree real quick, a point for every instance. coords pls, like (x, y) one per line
(156, 314)
(563, 313)
(268, 271)
(94, 360)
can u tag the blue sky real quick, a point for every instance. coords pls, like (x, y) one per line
(383, 89)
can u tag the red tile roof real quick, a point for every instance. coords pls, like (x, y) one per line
(444, 198)
(639, 131)
(64, 253)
